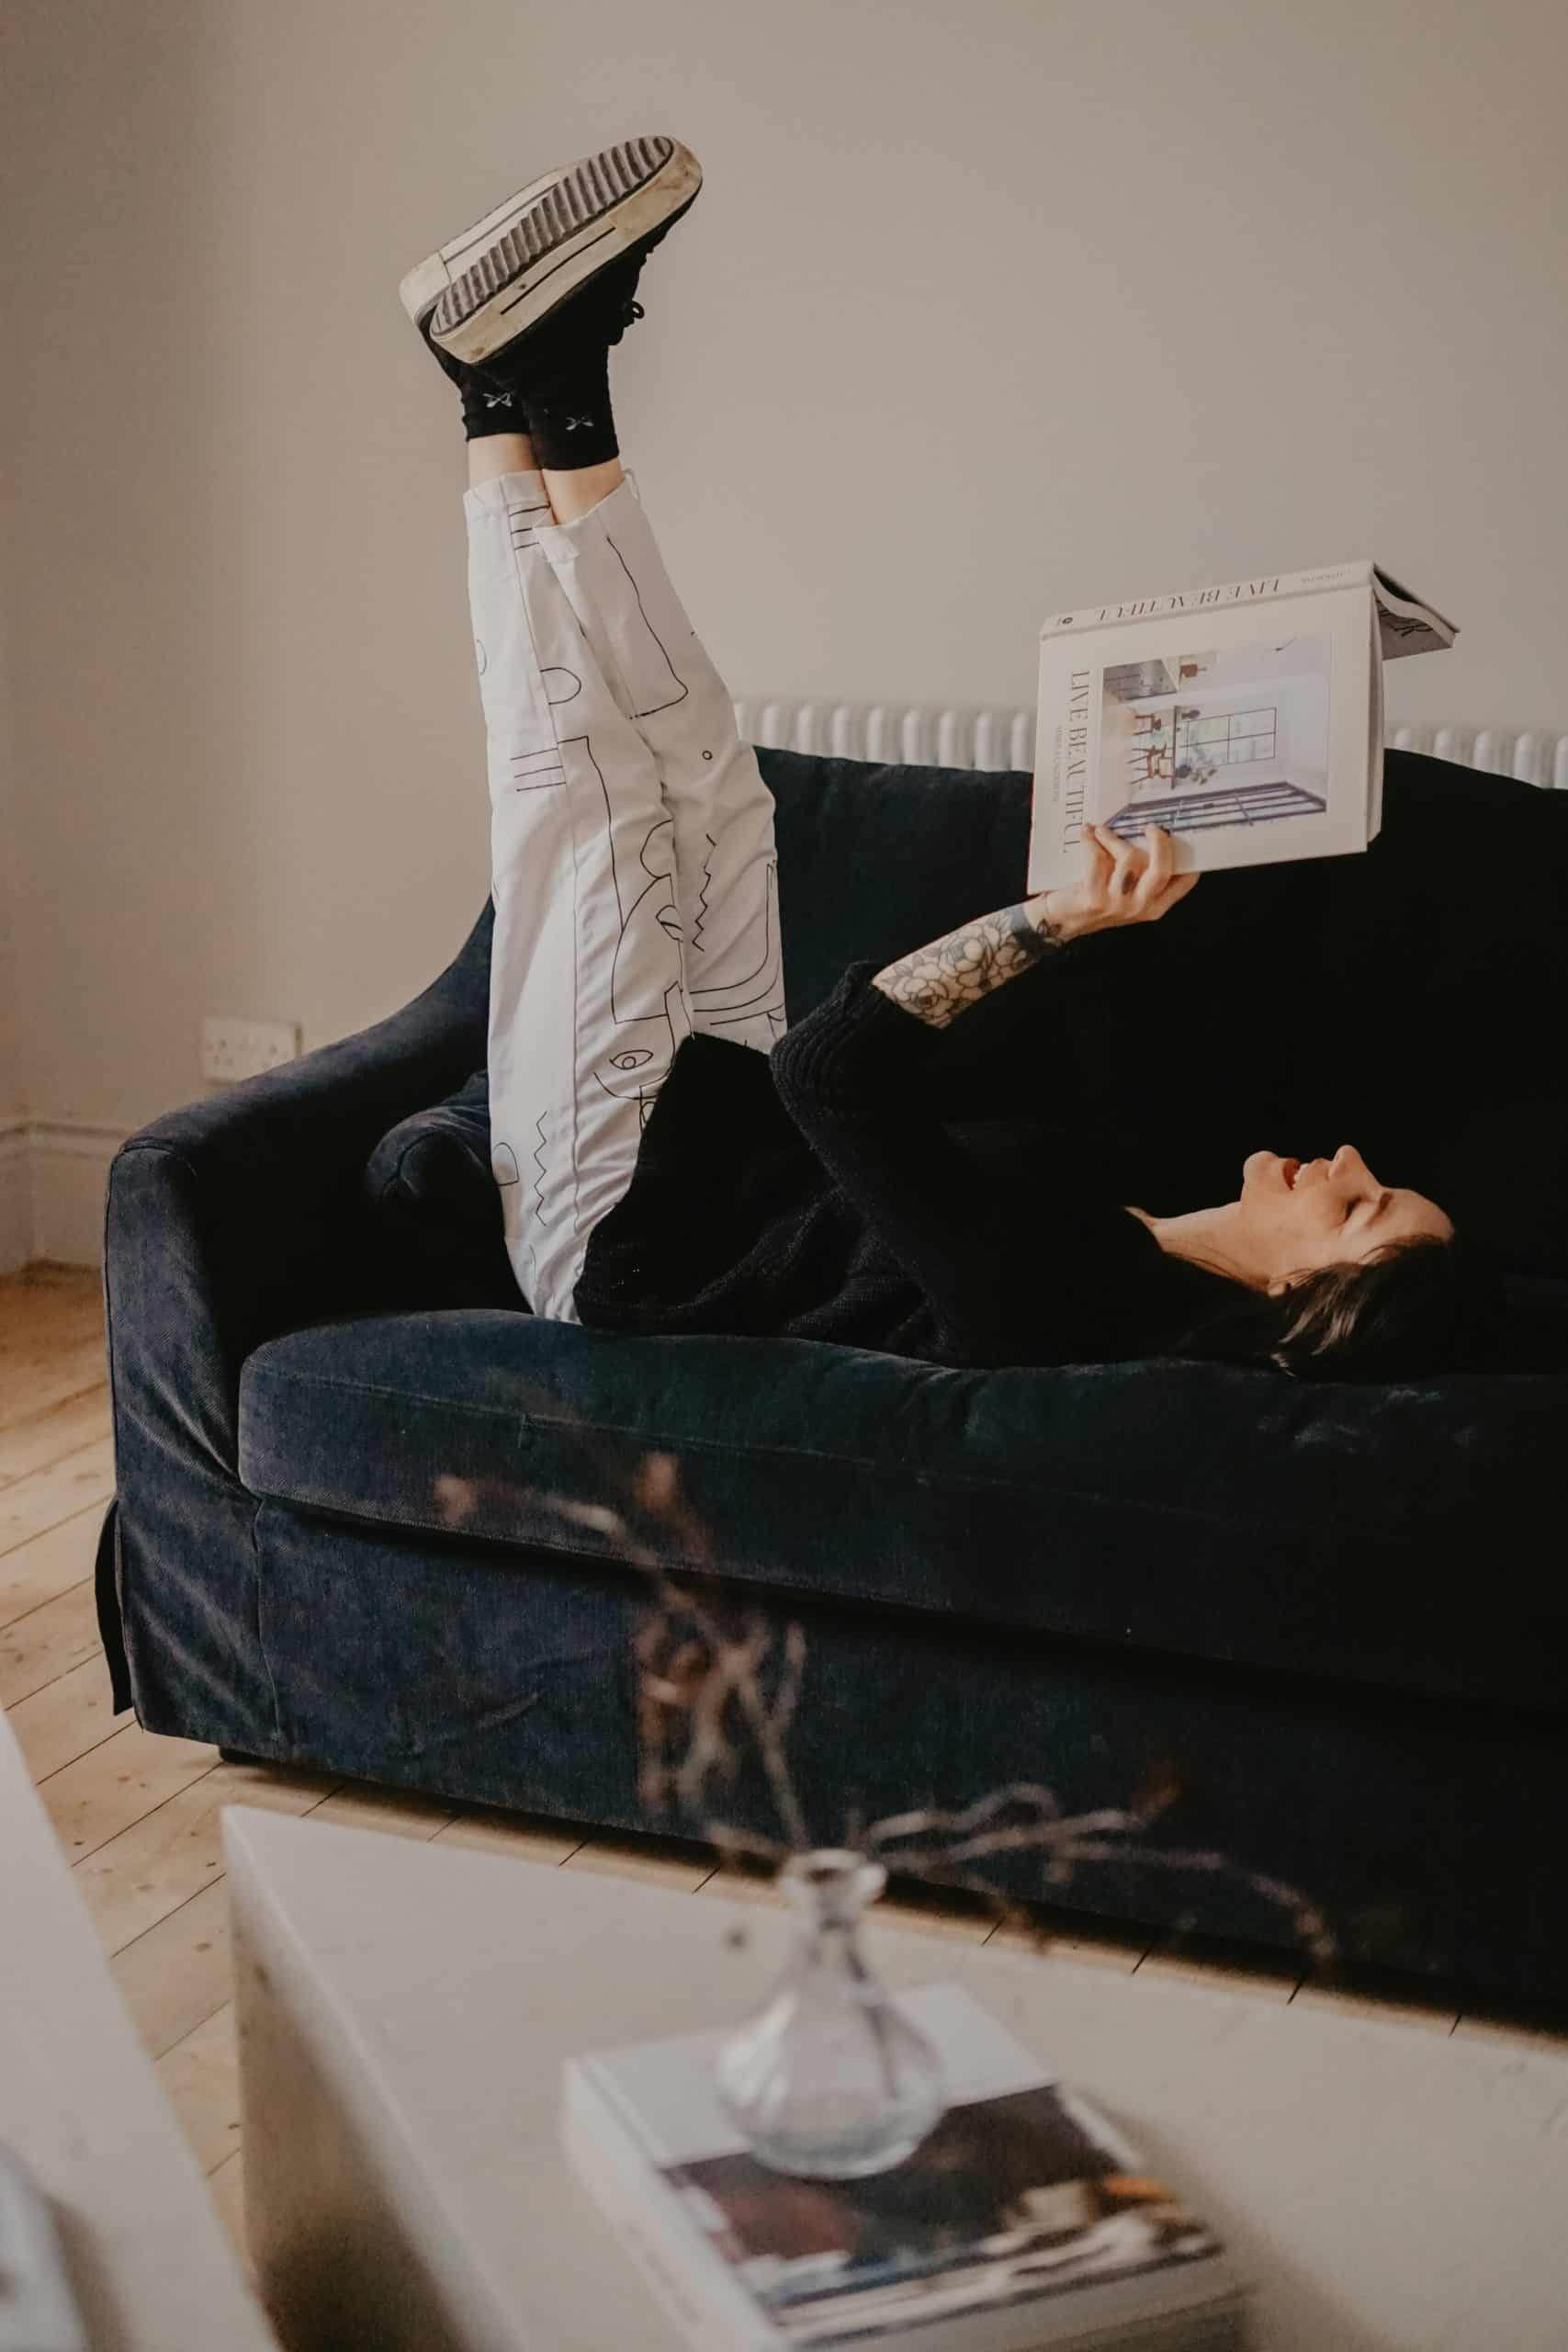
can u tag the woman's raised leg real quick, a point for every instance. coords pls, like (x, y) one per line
(613, 755)
(586, 1001)
(610, 568)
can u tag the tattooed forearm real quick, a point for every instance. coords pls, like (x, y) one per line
(937, 982)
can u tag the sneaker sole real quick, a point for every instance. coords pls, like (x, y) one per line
(422, 288)
(512, 269)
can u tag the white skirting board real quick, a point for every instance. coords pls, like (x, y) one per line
(53, 1183)
(16, 1197)
(53, 1176)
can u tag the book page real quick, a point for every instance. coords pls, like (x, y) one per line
(1243, 733)
(1375, 734)
(1406, 624)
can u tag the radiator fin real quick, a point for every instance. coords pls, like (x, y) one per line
(994, 741)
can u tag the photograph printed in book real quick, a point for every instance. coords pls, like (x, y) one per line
(1247, 721)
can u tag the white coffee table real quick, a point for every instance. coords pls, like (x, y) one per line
(404, 2012)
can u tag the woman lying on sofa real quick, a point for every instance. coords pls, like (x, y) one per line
(671, 1156)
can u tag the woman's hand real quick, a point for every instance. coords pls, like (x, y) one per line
(1122, 882)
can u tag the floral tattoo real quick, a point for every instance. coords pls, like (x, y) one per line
(939, 981)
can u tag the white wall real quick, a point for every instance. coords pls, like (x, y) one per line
(11, 1100)
(906, 383)
(11, 1096)
(16, 1205)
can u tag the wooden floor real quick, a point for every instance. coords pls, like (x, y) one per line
(139, 1815)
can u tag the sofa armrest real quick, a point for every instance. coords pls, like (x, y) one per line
(226, 1223)
(256, 1190)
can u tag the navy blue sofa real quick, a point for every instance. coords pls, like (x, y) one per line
(1330, 1622)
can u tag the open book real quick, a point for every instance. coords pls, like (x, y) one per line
(1248, 721)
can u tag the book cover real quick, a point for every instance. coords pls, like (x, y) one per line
(1406, 623)
(1244, 731)
(1246, 719)
(1023, 2220)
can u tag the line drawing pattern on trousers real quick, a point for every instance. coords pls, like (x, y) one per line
(653, 708)
(628, 816)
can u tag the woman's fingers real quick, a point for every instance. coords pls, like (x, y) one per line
(1161, 864)
(1095, 857)
(1164, 886)
(1098, 868)
(1128, 880)
(1126, 864)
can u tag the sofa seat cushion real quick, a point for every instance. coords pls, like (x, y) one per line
(1391, 1534)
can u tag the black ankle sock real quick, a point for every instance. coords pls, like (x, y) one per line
(489, 404)
(488, 408)
(568, 413)
(553, 383)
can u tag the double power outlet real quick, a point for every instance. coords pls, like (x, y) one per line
(233, 1049)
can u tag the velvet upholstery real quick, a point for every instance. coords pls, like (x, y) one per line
(1322, 1615)
(1249, 1522)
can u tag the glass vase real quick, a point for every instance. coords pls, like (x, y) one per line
(828, 2078)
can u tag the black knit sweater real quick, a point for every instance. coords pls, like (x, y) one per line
(857, 1184)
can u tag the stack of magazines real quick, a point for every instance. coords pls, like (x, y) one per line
(1023, 2222)
(1248, 719)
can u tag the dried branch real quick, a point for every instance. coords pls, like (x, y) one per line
(713, 1683)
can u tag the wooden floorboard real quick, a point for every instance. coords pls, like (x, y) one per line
(67, 1718)
(35, 1322)
(139, 1815)
(40, 1440)
(117, 1782)
(177, 1974)
(169, 1852)
(48, 1642)
(201, 2076)
(28, 1389)
(45, 1566)
(228, 2187)
(80, 1481)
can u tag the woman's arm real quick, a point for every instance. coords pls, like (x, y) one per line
(938, 982)
(1014, 1251)
(1122, 882)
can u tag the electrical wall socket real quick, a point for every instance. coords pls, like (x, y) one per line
(233, 1049)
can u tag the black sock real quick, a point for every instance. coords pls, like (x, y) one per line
(489, 404)
(568, 413)
(488, 408)
(554, 382)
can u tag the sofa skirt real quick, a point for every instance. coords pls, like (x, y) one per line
(1415, 1828)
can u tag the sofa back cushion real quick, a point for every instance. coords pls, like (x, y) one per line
(1412, 1001)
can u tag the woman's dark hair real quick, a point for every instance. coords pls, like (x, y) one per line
(1410, 1311)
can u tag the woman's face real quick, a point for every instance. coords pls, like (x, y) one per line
(1297, 1216)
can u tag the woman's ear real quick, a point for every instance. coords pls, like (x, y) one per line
(1278, 1286)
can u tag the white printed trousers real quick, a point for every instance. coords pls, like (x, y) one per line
(633, 864)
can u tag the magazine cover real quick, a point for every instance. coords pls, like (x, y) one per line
(1008, 2201)
(1251, 733)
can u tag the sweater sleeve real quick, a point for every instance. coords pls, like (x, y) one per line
(1020, 1256)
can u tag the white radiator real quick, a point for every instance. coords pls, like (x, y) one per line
(912, 734)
